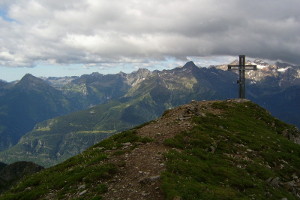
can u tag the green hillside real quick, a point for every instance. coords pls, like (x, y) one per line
(204, 150)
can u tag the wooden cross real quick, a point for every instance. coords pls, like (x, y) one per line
(242, 68)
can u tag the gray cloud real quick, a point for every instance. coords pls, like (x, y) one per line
(88, 31)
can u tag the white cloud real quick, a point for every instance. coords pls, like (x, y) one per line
(89, 31)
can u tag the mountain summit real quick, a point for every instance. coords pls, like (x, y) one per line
(230, 149)
(190, 65)
(31, 82)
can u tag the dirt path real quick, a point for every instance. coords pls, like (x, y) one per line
(139, 178)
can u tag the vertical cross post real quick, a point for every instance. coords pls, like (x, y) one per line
(242, 80)
(242, 67)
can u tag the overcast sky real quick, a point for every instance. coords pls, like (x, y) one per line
(120, 35)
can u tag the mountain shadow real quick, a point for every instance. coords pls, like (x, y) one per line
(11, 174)
(26, 103)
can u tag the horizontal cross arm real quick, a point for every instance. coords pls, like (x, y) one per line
(238, 67)
(251, 66)
(233, 66)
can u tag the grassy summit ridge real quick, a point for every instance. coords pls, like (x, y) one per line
(230, 149)
(238, 154)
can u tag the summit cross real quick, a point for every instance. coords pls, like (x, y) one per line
(242, 67)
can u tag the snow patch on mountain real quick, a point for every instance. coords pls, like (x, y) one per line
(283, 69)
(286, 74)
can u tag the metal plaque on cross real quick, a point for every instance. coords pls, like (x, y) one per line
(242, 67)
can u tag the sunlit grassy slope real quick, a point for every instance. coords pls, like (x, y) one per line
(238, 154)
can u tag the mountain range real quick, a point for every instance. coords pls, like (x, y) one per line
(31, 100)
(121, 101)
(231, 149)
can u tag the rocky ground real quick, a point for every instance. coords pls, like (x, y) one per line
(139, 178)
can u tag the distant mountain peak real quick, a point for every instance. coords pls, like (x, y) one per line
(190, 64)
(284, 65)
(261, 62)
(29, 77)
(142, 70)
(96, 74)
(30, 80)
(138, 76)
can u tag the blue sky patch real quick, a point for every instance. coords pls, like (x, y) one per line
(3, 15)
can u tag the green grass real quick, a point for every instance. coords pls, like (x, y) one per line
(231, 156)
(91, 168)
(117, 140)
